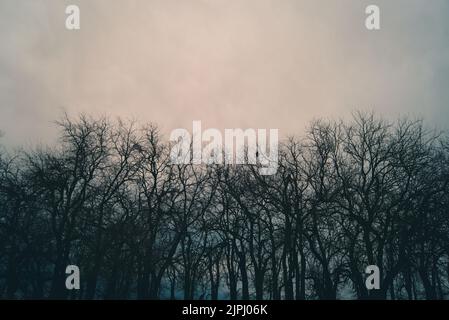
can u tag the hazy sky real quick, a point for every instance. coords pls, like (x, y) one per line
(228, 63)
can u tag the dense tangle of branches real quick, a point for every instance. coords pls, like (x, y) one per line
(347, 194)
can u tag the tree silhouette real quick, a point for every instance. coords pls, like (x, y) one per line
(347, 194)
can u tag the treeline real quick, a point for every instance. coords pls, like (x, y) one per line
(347, 194)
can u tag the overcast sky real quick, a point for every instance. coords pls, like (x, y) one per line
(247, 63)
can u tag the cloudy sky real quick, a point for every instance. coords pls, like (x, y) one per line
(228, 63)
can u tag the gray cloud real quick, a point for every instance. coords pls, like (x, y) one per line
(254, 63)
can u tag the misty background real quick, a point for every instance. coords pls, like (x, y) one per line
(255, 63)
